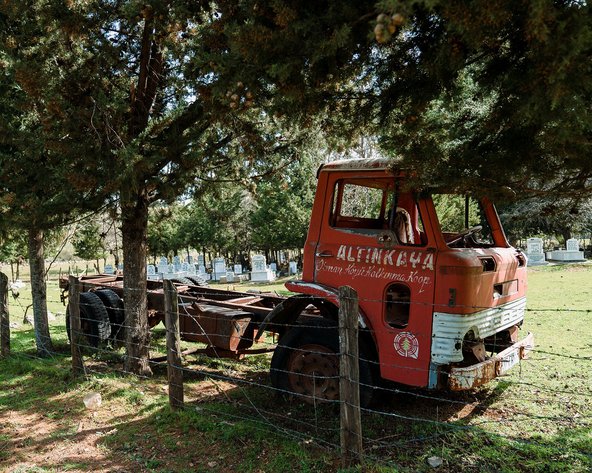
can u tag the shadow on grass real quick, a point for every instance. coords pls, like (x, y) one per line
(243, 425)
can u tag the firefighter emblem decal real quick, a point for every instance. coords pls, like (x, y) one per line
(406, 345)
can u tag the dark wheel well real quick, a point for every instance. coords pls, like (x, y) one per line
(306, 363)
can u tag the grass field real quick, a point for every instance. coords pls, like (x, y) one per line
(536, 419)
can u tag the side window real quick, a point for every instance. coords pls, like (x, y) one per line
(374, 205)
(462, 220)
(361, 204)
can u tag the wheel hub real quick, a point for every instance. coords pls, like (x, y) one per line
(313, 371)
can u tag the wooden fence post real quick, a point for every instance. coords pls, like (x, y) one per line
(349, 382)
(173, 342)
(4, 317)
(75, 326)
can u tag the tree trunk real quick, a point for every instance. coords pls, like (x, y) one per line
(38, 292)
(566, 234)
(134, 210)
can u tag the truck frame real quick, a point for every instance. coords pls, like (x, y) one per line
(441, 298)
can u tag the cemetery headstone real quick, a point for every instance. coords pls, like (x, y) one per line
(219, 268)
(534, 251)
(260, 272)
(572, 252)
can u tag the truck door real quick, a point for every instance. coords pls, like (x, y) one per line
(373, 239)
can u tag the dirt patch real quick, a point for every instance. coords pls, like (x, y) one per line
(31, 440)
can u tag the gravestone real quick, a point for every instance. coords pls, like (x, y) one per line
(572, 252)
(189, 259)
(109, 269)
(201, 260)
(293, 268)
(201, 272)
(219, 268)
(177, 264)
(238, 269)
(185, 267)
(163, 261)
(163, 267)
(151, 272)
(534, 251)
(260, 272)
(273, 267)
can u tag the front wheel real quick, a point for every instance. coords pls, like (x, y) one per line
(306, 364)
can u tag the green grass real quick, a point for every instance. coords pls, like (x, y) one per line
(535, 419)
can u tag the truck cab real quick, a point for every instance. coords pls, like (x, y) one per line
(441, 292)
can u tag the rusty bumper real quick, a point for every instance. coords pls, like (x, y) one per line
(468, 377)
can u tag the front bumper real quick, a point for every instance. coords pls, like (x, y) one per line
(468, 377)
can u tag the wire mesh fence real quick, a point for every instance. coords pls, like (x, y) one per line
(293, 389)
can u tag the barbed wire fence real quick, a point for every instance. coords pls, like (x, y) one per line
(247, 395)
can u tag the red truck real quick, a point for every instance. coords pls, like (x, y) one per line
(442, 294)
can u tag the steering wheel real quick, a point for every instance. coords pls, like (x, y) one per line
(465, 233)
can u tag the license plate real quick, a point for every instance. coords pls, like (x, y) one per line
(509, 360)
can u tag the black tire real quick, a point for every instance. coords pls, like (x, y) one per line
(115, 311)
(197, 281)
(306, 363)
(94, 319)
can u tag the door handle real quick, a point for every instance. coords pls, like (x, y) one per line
(324, 254)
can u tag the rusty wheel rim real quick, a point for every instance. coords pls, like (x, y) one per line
(313, 371)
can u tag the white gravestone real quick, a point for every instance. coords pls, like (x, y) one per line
(219, 268)
(570, 254)
(534, 251)
(293, 268)
(201, 271)
(151, 272)
(238, 269)
(163, 268)
(260, 272)
(109, 269)
(200, 260)
(177, 264)
(163, 261)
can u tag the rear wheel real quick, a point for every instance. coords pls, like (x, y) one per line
(306, 363)
(115, 311)
(94, 320)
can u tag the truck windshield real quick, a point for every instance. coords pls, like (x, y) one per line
(463, 221)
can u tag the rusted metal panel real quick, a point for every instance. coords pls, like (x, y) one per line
(220, 327)
(468, 377)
